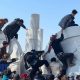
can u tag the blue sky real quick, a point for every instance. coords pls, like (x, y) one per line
(51, 11)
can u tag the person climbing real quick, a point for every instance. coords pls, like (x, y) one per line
(11, 29)
(33, 60)
(63, 57)
(68, 20)
(3, 22)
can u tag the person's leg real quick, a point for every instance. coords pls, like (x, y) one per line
(33, 72)
(44, 62)
(16, 36)
(69, 57)
(64, 68)
(1, 28)
(10, 36)
(26, 65)
(73, 24)
(64, 59)
(37, 65)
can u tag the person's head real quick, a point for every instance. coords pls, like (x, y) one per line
(5, 43)
(64, 77)
(5, 56)
(3, 21)
(53, 59)
(74, 12)
(53, 37)
(19, 21)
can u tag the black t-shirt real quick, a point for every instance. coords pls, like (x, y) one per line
(56, 44)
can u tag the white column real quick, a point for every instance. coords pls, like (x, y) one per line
(34, 34)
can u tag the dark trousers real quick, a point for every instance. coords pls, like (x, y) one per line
(63, 58)
(12, 35)
(35, 68)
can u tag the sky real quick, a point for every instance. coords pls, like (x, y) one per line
(51, 12)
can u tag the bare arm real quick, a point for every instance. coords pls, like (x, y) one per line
(49, 48)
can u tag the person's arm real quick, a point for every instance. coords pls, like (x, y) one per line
(49, 48)
(62, 36)
(24, 27)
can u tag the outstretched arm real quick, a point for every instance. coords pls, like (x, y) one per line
(49, 48)
(24, 27)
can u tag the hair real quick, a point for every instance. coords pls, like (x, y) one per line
(53, 59)
(52, 37)
(20, 20)
(5, 42)
(6, 19)
(74, 11)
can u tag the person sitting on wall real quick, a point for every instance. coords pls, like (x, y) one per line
(11, 29)
(63, 57)
(33, 60)
(68, 20)
(3, 22)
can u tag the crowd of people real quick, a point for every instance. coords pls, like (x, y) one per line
(32, 59)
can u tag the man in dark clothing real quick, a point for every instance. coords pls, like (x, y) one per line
(3, 22)
(63, 57)
(68, 20)
(3, 49)
(12, 29)
(33, 60)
